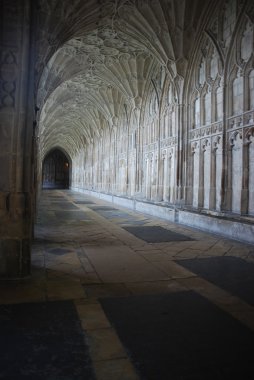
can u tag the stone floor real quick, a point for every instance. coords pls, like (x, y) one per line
(105, 260)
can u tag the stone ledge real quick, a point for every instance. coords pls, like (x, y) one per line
(230, 228)
(237, 228)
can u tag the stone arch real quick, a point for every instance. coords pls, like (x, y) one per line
(56, 169)
(205, 97)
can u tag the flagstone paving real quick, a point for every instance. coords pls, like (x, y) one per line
(86, 250)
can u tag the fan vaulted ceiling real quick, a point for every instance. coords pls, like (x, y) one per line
(96, 59)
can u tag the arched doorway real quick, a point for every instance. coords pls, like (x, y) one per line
(56, 170)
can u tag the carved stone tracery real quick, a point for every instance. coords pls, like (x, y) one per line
(129, 62)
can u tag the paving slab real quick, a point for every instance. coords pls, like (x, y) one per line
(46, 342)
(156, 234)
(121, 264)
(230, 273)
(181, 336)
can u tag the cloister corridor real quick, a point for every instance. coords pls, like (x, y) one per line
(126, 189)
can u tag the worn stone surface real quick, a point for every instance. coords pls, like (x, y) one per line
(87, 263)
(132, 96)
(47, 342)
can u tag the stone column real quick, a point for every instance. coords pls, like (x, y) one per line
(227, 204)
(160, 176)
(164, 173)
(213, 187)
(201, 174)
(16, 136)
(180, 152)
(194, 173)
(245, 180)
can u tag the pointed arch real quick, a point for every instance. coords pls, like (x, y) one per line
(56, 169)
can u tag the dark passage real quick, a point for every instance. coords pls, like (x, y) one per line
(230, 273)
(43, 341)
(55, 170)
(181, 336)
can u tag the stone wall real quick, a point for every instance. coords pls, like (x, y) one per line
(16, 138)
(189, 140)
